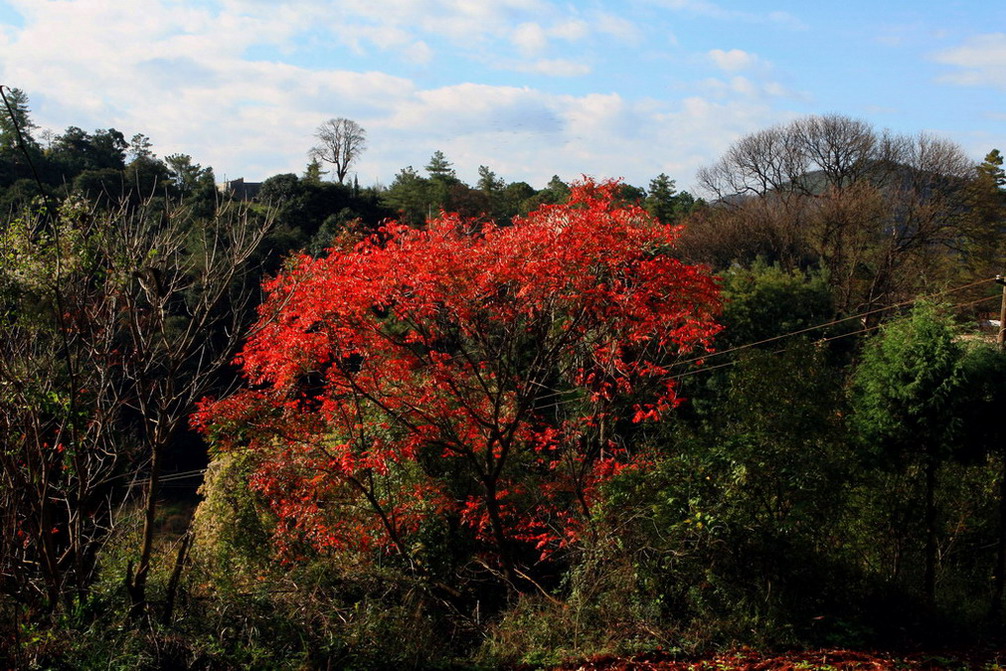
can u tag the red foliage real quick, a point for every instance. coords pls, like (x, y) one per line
(476, 370)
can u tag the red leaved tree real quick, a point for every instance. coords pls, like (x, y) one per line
(480, 372)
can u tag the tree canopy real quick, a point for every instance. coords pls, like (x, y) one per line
(341, 141)
(510, 355)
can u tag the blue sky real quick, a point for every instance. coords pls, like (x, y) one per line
(530, 88)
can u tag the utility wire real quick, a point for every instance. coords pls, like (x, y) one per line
(833, 322)
(173, 477)
(866, 329)
(186, 475)
(198, 473)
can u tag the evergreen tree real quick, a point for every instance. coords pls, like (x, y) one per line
(661, 201)
(314, 173)
(139, 148)
(906, 403)
(409, 195)
(991, 171)
(439, 168)
(488, 182)
(14, 116)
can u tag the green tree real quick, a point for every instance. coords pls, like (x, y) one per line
(906, 395)
(489, 183)
(631, 195)
(76, 150)
(778, 428)
(764, 301)
(140, 147)
(107, 149)
(664, 202)
(735, 526)
(194, 183)
(443, 182)
(280, 189)
(15, 115)
(982, 399)
(105, 185)
(983, 251)
(147, 177)
(557, 189)
(512, 199)
(313, 173)
(439, 168)
(991, 169)
(491, 188)
(779, 462)
(185, 174)
(554, 193)
(409, 195)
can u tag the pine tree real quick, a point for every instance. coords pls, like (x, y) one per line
(14, 117)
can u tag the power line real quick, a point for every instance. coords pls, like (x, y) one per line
(866, 329)
(186, 475)
(173, 477)
(833, 322)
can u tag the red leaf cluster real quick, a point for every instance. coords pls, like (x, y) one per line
(505, 355)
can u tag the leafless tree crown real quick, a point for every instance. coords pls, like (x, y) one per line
(884, 214)
(340, 142)
(812, 154)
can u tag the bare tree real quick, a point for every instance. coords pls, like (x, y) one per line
(188, 310)
(766, 162)
(341, 141)
(112, 325)
(885, 214)
(62, 444)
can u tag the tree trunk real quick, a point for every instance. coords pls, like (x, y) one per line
(136, 584)
(930, 576)
(176, 575)
(499, 535)
(999, 570)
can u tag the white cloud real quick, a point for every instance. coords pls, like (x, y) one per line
(402, 42)
(982, 60)
(530, 39)
(555, 67)
(461, 21)
(732, 60)
(916, 34)
(757, 81)
(178, 73)
(763, 91)
(531, 135)
(617, 27)
(570, 30)
(539, 33)
(714, 11)
(786, 20)
(777, 90)
(695, 6)
(743, 86)
(419, 52)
